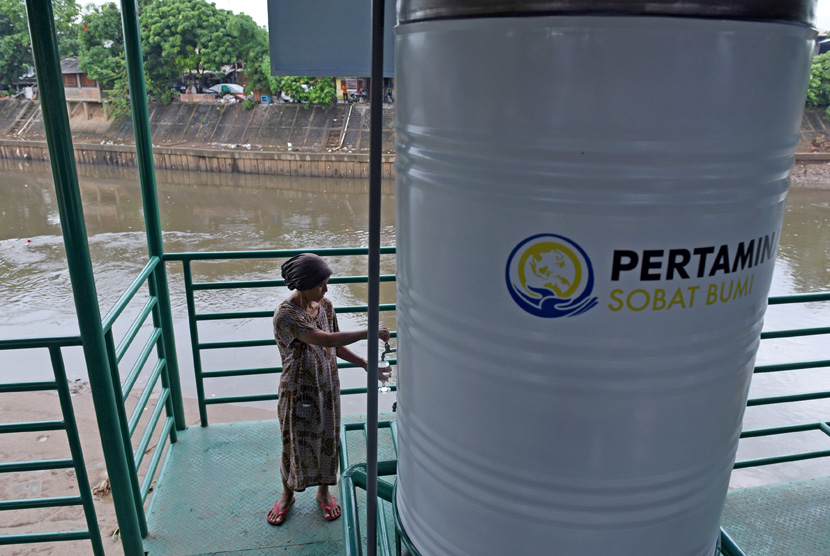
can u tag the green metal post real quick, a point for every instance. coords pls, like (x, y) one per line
(65, 176)
(125, 434)
(194, 342)
(76, 451)
(147, 177)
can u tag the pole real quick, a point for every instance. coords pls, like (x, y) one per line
(149, 197)
(65, 176)
(375, 169)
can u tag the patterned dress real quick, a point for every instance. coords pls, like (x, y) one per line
(309, 398)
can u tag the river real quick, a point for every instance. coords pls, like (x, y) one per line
(232, 212)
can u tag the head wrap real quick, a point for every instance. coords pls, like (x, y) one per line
(305, 271)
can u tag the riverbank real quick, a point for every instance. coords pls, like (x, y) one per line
(276, 139)
(196, 159)
(811, 171)
(39, 406)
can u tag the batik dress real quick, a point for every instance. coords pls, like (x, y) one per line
(309, 398)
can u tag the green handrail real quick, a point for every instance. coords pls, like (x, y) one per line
(76, 461)
(272, 253)
(791, 398)
(128, 295)
(197, 347)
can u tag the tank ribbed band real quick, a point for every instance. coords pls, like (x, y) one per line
(795, 11)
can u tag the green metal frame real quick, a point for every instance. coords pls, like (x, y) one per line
(157, 280)
(65, 176)
(100, 351)
(159, 372)
(76, 461)
(785, 367)
(197, 347)
(356, 476)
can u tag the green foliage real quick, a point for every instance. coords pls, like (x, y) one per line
(247, 104)
(249, 39)
(818, 92)
(117, 104)
(15, 48)
(259, 77)
(310, 90)
(66, 16)
(102, 44)
(187, 36)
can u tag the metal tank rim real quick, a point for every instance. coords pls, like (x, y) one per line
(792, 11)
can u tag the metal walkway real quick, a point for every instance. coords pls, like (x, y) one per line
(218, 484)
(785, 519)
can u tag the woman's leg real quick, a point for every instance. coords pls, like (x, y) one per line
(284, 502)
(331, 508)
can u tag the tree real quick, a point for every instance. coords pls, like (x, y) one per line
(101, 44)
(259, 77)
(15, 54)
(102, 58)
(818, 92)
(15, 45)
(250, 39)
(186, 36)
(310, 90)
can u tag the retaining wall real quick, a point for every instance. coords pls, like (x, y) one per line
(329, 165)
(199, 137)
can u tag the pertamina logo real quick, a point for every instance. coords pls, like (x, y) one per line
(550, 276)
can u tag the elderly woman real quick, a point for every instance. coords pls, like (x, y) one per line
(310, 342)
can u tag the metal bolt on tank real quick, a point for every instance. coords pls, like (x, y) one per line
(589, 200)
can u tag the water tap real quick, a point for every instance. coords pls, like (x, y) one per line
(387, 349)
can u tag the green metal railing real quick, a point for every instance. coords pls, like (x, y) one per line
(155, 427)
(76, 461)
(823, 426)
(100, 351)
(194, 317)
(355, 476)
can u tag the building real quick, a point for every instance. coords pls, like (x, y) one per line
(77, 85)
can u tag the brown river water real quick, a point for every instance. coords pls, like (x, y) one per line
(222, 212)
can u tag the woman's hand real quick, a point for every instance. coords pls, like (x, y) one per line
(383, 333)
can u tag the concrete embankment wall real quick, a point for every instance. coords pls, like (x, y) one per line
(329, 165)
(280, 139)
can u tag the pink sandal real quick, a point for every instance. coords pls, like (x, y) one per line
(329, 510)
(279, 513)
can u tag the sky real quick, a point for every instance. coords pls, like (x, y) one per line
(258, 10)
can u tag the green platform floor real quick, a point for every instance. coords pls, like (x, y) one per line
(786, 519)
(219, 482)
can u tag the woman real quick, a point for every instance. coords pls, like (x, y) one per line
(310, 342)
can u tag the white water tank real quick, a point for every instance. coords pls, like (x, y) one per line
(589, 200)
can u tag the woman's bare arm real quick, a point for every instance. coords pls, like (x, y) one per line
(332, 339)
(340, 339)
(346, 354)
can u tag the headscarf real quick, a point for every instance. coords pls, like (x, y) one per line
(305, 271)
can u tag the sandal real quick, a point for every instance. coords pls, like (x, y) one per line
(330, 509)
(279, 513)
